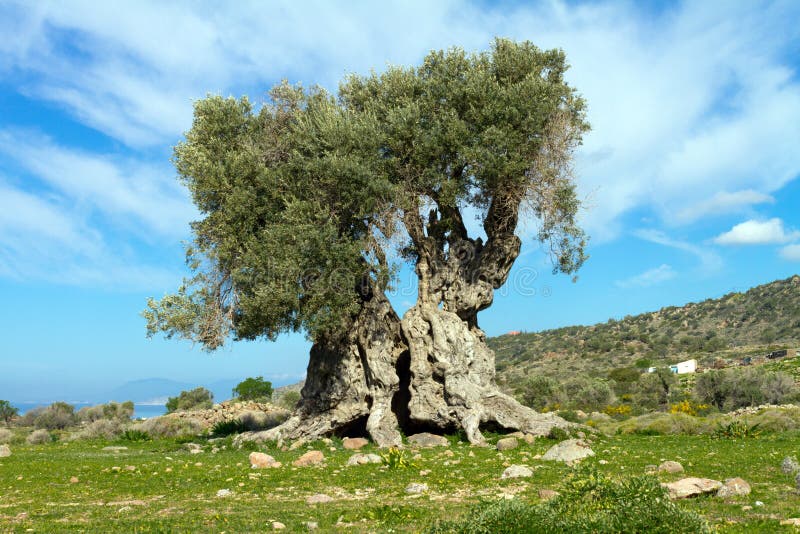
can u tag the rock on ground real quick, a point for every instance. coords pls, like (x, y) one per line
(426, 439)
(277, 525)
(259, 460)
(5, 451)
(361, 459)
(353, 444)
(571, 450)
(224, 493)
(507, 444)
(114, 448)
(734, 487)
(516, 471)
(790, 465)
(416, 488)
(691, 487)
(670, 467)
(319, 498)
(792, 522)
(309, 458)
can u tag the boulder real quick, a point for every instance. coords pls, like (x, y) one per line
(309, 458)
(362, 459)
(259, 460)
(5, 451)
(506, 444)
(416, 488)
(670, 467)
(319, 498)
(571, 450)
(733, 487)
(691, 487)
(426, 439)
(790, 465)
(516, 471)
(353, 444)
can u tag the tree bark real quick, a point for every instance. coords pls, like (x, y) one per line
(351, 382)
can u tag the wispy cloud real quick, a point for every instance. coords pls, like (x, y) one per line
(755, 232)
(648, 278)
(723, 202)
(791, 252)
(709, 260)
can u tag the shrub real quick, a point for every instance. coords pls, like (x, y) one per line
(101, 428)
(133, 434)
(37, 437)
(111, 411)
(736, 429)
(395, 458)
(588, 502)
(226, 428)
(57, 416)
(169, 427)
(541, 392)
(6, 436)
(253, 420)
(688, 407)
(290, 399)
(736, 388)
(30, 416)
(588, 393)
(253, 389)
(196, 399)
(653, 390)
(7, 411)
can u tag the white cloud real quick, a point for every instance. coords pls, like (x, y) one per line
(141, 197)
(754, 232)
(791, 252)
(723, 202)
(709, 260)
(649, 278)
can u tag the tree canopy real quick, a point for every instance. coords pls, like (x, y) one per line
(305, 200)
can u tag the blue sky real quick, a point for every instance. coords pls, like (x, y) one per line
(689, 175)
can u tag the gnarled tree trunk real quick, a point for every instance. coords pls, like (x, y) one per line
(351, 381)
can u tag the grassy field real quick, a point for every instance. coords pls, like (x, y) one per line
(159, 486)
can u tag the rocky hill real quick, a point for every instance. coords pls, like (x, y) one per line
(727, 329)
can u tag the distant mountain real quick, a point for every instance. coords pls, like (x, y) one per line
(728, 328)
(149, 390)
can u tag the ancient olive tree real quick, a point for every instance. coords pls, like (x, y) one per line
(311, 201)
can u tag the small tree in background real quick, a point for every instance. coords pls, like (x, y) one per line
(253, 389)
(57, 416)
(7, 411)
(196, 399)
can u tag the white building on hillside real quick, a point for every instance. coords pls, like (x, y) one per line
(689, 366)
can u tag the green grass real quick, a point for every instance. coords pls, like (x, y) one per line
(167, 491)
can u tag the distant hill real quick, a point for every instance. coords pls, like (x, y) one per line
(728, 328)
(157, 390)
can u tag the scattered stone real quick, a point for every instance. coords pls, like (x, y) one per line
(571, 450)
(449, 453)
(130, 468)
(602, 462)
(311, 525)
(362, 459)
(114, 448)
(297, 444)
(425, 472)
(516, 471)
(547, 494)
(734, 487)
(691, 487)
(224, 493)
(353, 444)
(746, 507)
(792, 522)
(758, 503)
(529, 439)
(416, 488)
(581, 414)
(319, 498)
(259, 460)
(309, 458)
(670, 467)
(327, 441)
(506, 444)
(73, 480)
(193, 447)
(277, 525)
(580, 435)
(790, 465)
(5, 451)
(426, 439)
(797, 481)
(195, 451)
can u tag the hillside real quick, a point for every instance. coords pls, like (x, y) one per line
(728, 329)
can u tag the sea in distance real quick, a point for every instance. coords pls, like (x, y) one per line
(140, 411)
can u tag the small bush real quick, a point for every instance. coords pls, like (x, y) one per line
(253, 389)
(395, 458)
(38, 437)
(111, 411)
(133, 434)
(6, 436)
(588, 503)
(196, 399)
(30, 416)
(541, 392)
(558, 434)
(57, 416)
(289, 400)
(254, 420)
(226, 428)
(101, 428)
(169, 427)
(736, 429)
